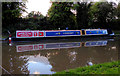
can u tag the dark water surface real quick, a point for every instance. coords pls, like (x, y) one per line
(53, 56)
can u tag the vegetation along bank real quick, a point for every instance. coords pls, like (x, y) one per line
(105, 68)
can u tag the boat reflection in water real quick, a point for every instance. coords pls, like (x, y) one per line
(33, 47)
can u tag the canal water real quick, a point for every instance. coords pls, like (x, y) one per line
(49, 57)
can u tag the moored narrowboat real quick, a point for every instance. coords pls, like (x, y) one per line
(22, 35)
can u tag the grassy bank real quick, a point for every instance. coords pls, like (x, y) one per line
(105, 68)
(5, 36)
(116, 32)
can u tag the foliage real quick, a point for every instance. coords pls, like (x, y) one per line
(101, 14)
(35, 15)
(105, 68)
(93, 12)
(60, 15)
(118, 11)
(82, 9)
(11, 11)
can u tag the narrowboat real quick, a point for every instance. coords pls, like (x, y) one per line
(23, 35)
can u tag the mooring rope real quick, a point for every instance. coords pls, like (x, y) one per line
(5, 70)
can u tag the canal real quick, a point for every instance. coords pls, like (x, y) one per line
(49, 57)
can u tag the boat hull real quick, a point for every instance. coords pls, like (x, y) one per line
(64, 38)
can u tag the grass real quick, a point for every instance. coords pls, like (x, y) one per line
(5, 36)
(116, 32)
(105, 68)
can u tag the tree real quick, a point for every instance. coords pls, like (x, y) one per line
(102, 13)
(116, 21)
(93, 13)
(36, 15)
(35, 21)
(118, 11)
(60, 15)
(82, 9)
(11, 12)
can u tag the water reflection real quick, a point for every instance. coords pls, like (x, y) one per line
(33, 47)
(39, 65)
(48, 58)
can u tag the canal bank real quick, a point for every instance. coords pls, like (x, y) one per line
(3, 38)
(105, 68)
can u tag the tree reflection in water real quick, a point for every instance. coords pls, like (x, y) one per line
(12, 62)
